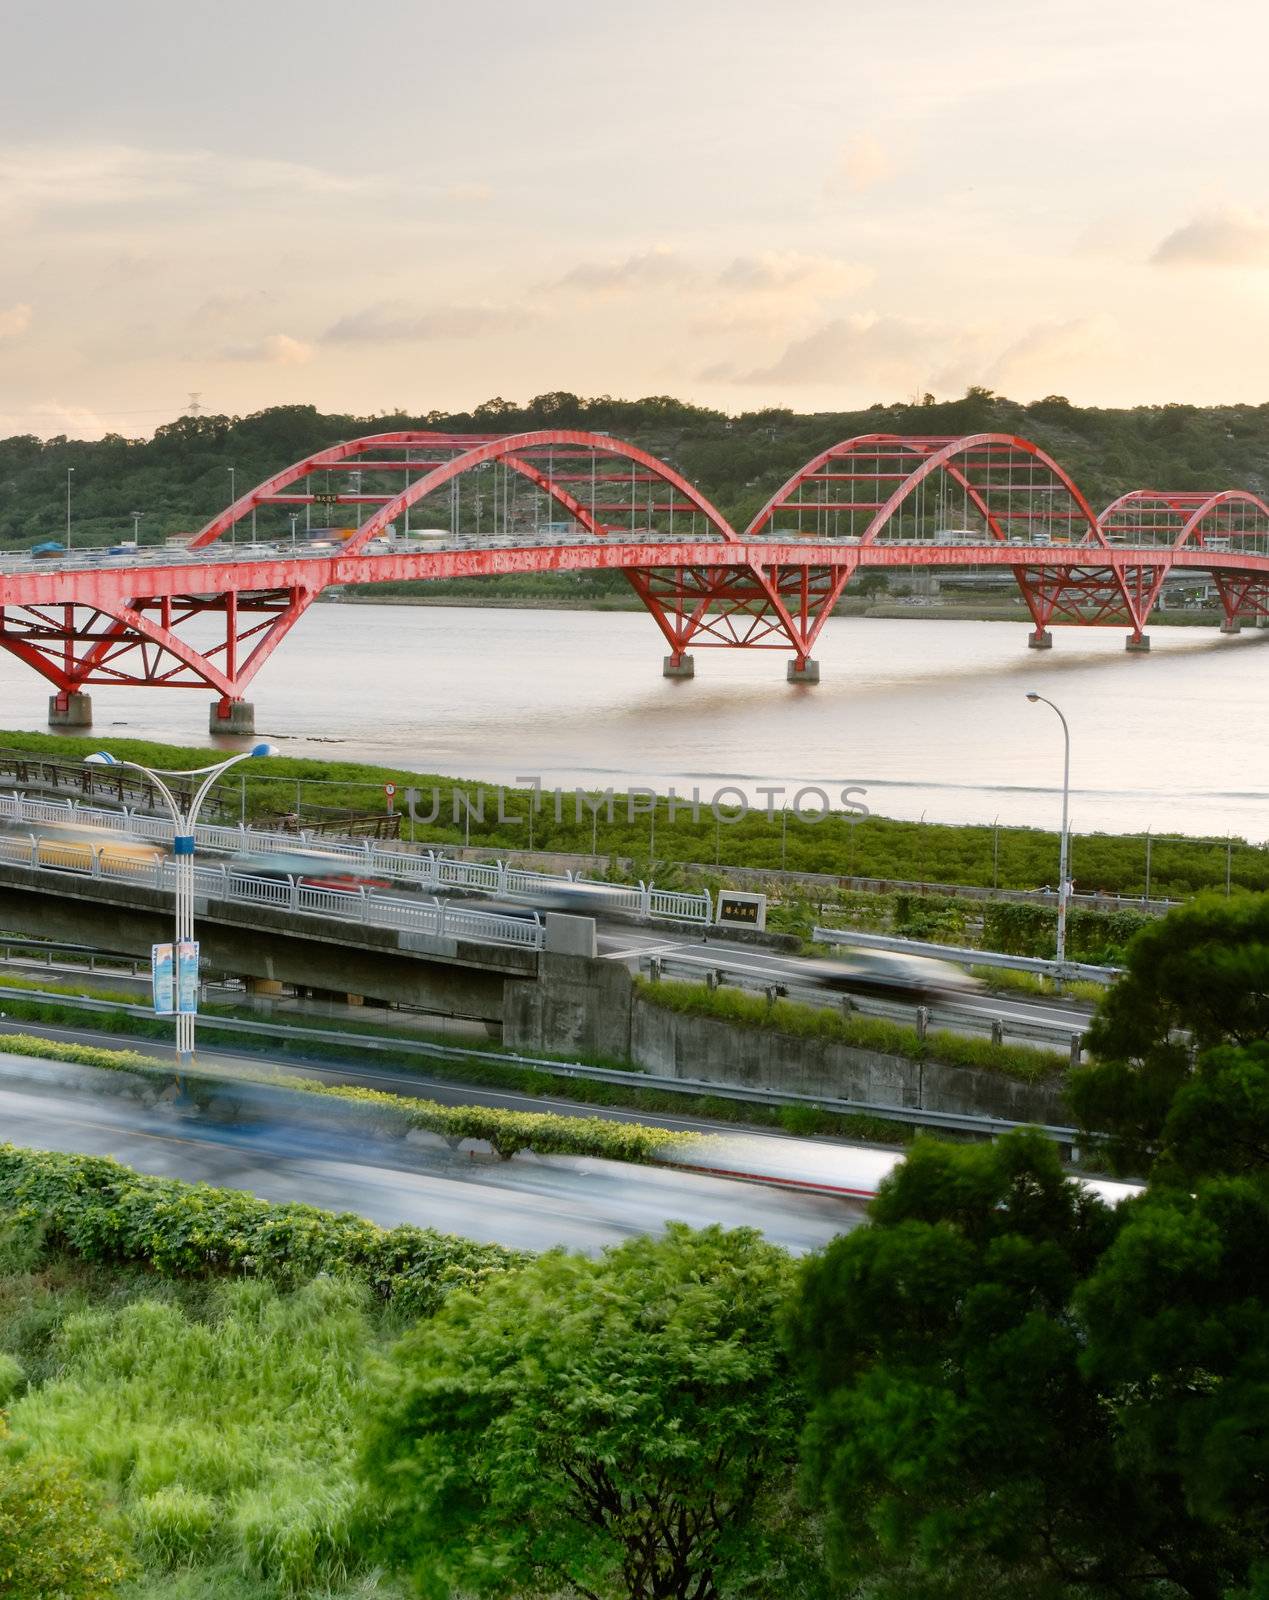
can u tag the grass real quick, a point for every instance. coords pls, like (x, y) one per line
(1007, 980)
(221, 1422)
(839, 845)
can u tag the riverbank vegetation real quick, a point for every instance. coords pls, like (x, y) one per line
(674, 843)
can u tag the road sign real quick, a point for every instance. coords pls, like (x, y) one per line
(325, 499)
(742, 910)
(390, 789)
(187, 978)
(162, 979)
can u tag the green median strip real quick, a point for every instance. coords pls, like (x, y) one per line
(508, 1132)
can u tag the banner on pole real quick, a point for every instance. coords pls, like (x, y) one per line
(162, 979)
(187, 978)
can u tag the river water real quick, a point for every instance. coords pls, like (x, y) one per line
(927, 716)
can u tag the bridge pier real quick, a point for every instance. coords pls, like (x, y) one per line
(679, 666)
(232, 716)
(70, 710)
(803, 669)
(1231, 625)
(1041, 639)
(1137, 641)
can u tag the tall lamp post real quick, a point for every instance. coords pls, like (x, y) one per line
(183, 849)
(69, 472)
(1063, 885)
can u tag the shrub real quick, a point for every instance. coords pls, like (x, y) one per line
(102, 1211)
(54, 1543)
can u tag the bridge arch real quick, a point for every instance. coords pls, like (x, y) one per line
(542, 458)
(1218, 520)
(877, 480)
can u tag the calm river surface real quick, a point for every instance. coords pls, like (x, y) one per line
(928, 716)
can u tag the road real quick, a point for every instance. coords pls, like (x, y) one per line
(756, 966)
(529, 1202)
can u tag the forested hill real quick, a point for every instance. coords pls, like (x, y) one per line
(180, 477)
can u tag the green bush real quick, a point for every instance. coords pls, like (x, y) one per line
(801, 1021)
(102, 1211)
(54, 1542)
(508, 1132)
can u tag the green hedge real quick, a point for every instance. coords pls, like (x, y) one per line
(507, 1131)
(485, 1074)
(801, 1021)
(103, 1212)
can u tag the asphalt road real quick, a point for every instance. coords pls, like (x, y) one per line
(633, 945)
(530, 1202)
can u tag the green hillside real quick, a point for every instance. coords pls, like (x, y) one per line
(180, 477)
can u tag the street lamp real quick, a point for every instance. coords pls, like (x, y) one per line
(136, 527)
(183, 849)
(1063, 886)
(69, 472)
(233, 528)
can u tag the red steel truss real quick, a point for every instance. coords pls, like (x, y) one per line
(476, 505)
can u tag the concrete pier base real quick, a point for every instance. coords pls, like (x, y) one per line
(1133, 642)
(808, 672)
(70, 711)
(683, 666)
(1041, 639)
(1232, 627)
(232, 716)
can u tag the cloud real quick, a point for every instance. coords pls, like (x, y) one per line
(275, 349)
(49, 418)
(783, 271)
(655, 268)
(1046, 355)
(1230, 238)
(16, 320)
(392, 323)
(883, 349)
(90, 178)
(468, 191)
(862, 164)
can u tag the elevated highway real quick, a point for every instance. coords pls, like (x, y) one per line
(427, 506)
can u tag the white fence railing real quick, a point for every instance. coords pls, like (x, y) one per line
(363, 905)
(425, 868)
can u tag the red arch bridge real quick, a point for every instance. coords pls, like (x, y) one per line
(208, 612)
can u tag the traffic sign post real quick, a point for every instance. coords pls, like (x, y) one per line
(390, 790)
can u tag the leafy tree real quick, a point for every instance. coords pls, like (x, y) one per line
(1178, 1333)
(957, 1442)
(1196, 979)
(616, 1429)
(54, 1544)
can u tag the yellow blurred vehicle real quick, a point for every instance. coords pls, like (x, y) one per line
(73, 849)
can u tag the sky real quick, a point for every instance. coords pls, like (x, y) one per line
(819, 204)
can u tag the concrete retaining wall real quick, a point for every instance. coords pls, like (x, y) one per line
(593, 1007)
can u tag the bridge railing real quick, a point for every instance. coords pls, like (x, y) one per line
(363, 905)
(426, 868)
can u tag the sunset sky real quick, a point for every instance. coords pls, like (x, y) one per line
(816, 204)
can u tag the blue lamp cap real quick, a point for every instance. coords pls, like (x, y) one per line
(264, 750)
(102, 758)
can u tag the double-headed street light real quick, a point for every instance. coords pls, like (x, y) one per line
(183, 849)
(1063, 882)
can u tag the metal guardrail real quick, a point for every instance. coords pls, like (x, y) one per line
(914, 1116)
(426, 868)
(964, 956)
(921, 1015)
(437, 918)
